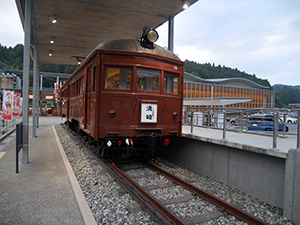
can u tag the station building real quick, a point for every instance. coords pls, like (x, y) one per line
(226, 93)
(8, 80)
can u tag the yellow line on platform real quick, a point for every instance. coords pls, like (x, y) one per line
(2, 154)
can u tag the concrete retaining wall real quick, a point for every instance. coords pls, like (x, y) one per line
(260, 175)
(291, 207)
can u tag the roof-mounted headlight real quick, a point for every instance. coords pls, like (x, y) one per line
(149, 36)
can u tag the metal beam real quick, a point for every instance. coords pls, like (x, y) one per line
(26, 70)
(171, 34)
(34, 89)
(38, 97)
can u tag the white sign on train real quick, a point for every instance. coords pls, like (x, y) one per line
(148, 113)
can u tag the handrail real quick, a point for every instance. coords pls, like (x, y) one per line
(211, 117)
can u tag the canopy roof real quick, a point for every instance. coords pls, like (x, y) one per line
(83, 24)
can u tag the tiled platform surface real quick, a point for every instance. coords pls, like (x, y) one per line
(41, 192)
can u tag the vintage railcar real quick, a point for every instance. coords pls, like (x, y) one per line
(127, 98)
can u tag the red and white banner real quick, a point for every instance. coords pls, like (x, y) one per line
(7, 104)
(56, 91)
(17, 108)
(21, 107)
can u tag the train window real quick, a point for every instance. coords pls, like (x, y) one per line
(118, 78)
(91, 79)
(170, 83)
(81, 85)
(148, 79)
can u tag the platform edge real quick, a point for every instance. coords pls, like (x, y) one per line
(85, 210)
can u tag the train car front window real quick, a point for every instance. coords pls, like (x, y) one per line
(170, 83)
(118, 78)
(147, 79)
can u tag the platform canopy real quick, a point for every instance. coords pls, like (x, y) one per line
(82, 24)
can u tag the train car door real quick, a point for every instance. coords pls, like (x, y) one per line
(89, 101)
(68, 100)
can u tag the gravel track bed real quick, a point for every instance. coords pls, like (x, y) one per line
(194, 207)
(270, 214)
(169, 192)
(108, 207)
(139, 172)
(99, 189)
(150, 181)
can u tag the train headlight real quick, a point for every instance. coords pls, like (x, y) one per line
(149, 36)
(152, 36)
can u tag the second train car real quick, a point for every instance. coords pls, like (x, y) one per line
(126, 97)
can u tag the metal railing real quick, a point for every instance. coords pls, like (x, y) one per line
(7, 125)
(241, 120)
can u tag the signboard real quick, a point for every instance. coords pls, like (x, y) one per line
(21, 107)
(17, 108)
(56, 91)
(148, 113)
(7, 104)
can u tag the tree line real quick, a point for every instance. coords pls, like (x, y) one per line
(13, 57)
(210, 71)
(286, 94)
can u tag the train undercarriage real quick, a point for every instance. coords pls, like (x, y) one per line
(123, 149)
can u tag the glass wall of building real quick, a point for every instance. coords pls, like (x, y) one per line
(260, 98)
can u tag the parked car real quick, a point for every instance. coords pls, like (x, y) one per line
(266, 126)
(289, 120)
(253, 118)
(261, 122)
(265, 122)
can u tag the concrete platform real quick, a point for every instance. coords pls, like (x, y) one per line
(41, 193)
(245, 141)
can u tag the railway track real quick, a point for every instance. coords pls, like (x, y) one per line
(156, 208)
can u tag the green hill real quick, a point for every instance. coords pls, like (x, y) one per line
(286, 94)
(208, 71)
(13, 57)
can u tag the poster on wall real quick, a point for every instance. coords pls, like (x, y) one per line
(17, 104)
(7, 104)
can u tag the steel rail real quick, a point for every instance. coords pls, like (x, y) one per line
(153, 206)
(154, 203)
(229, 208)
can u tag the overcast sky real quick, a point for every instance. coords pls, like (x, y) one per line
(260, 37)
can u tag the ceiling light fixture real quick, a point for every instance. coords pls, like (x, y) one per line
(52, 40)
(54, 19)
(185, 5)
(50, 53)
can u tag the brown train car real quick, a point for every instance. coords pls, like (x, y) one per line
(126, 98)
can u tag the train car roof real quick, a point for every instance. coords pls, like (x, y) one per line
(134, 45)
